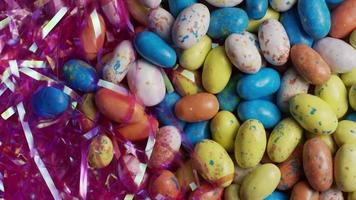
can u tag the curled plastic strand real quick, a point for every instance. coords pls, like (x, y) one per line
(8, 113)
(111, 86)
(167, 82)
(2, 189)
(96, 23)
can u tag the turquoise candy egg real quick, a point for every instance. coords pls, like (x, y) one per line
(315, 17)
(296, 34)
(196, 132)
(277, 195)
(334, 2)
(351, 116)
(264, 111)
(226, 21)
(80, 75)
(263, 83)
(154, 49)
(49, 102)
(228, 98)
(165, 111)
(256, 9)
(271, 97)
(175, 6)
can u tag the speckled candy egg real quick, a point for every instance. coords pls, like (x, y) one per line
(345, 168)
(292, 83)
(274, 42)
(260, 183)
(241, 173)
(228, 98)
(168, 141)
(349, 78)
(206, 192)
(340, 56)
(243, 53)
(284, 139)
(165, 185)
(343, 19)
(196, 132)
(143, 77)
(352, 97)
(191, 25)
(253, 25)
(80, 75)
(185, 175)
(90, 112)
(335, 94)
(101, 152)
(232, 192)
(224, 3)
(315, 17)
(333, 193)
(216, 71)
(161, 22)
(213, 163)
(256, 9)
(282, 5)
(291, 23)
(92, 36)
(176, 6)
(151, 3)
(254, 86)
(353, 38)
(313, 114)
(137, 131)
(225, 21)
(303, 191)
(186, 82)
(49, 102)
(155, 50)
(117, 67)
(165, 111)
(250, 143)
(264, 111)
(138, 11)
(345, 132)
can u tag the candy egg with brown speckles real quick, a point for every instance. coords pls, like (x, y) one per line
(303, 191)
(165, 185)
(101, 152)
(161, 21)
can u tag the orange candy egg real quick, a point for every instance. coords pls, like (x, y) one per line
(164, 185)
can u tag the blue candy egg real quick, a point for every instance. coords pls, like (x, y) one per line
(315, 17)
(277, 195)
(291, 23)
(49, 102)
(263, 83)
(228, 98)
(264, 111)
(271, 97)
(80, 75)
(154, 49)
(226, 21)
(175, 6)
(165, 111)
(196, 132)
(334, 2)
(256, 9)
(351, 116)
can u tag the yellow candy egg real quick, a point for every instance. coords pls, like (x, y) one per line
(253, 25)
(193, 58)
(101, 152)
(345, 168)
(345, 132)
(349, 78)
(352, 97)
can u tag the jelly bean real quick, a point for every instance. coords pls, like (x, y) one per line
(150, 46)
(282, 5)
(243, 53)
(343, 19)
(225, 21)
(303, 191)
(161, 22)
(251, 137)
(277, 195)
(284, 139)
(294, 29)
(165, 111)
(318, 164)
(344, 168)
(253, 25)
(196, 132)
(101, 152)
(260, 183)
(216, 71)
(165, 184)
(228, 98)
(274, 42)
(176, 6)
(186, 82)
(340, 56)
(198, 107)
(313, 114)
(213, 163)
(92, 38)
(256, 9)
(264, 111)
(191, 25)
(151, 3)
(263, 83)
(193, 58)
(49, 102)
(80, 75)
(315, 17)
(117, 67)
(143, 77)
(224, 128)
(335, 94)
